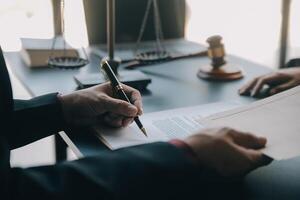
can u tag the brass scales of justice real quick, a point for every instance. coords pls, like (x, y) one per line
(219, 69)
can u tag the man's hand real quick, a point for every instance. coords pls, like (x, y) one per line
(278, 81)
(227, 151)
(98, 104)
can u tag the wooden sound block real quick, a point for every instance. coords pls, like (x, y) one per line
(226, 72)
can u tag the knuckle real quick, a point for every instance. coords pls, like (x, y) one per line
(103, 85)
(101, 96)
(278, 73)
(227, 135)
(126, 86)
(135, 91)
(262, 80)
(226, 131)
(136, 94)
(257, 78)
(294, 83)
(200, 136)
(229, 129)
(119, 104)
(98, 88)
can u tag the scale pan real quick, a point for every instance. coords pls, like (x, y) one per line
(153, 56)
(67, 62)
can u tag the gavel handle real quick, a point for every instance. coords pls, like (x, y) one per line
(134, 63)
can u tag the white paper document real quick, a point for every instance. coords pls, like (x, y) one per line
(161, 126)
(277, 118)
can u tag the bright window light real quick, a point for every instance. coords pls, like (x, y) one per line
(250, 28)
(24, 18)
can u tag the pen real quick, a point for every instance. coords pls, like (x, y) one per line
(118, 88)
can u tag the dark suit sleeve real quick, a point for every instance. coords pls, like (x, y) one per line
(152, 171)
(35, 119)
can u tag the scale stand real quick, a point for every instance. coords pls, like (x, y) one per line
(134, 79)
(160, 52)
(65, 61)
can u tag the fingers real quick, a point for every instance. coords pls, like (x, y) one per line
(117, 120)
(137, 101)
(119, 107)
(113, 120)
(261, 82)
(254, 87)
(247, 88)
(282, 87)
(133, 94)
(248, 145)
(245, 160)
(256, 158)
(248, 140)
(127, 121)
(229, 152)
(135, 97)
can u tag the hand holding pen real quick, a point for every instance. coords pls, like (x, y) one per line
(119, 90)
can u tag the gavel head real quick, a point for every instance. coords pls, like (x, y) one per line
(216, 51)
(219, 69)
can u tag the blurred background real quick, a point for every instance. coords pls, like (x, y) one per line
(250, 29)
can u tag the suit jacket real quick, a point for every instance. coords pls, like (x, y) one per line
(153, 171)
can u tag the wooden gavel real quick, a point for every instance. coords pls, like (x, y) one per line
(219, 69)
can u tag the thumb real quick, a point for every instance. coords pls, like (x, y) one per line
(257, 158)
(120, 107)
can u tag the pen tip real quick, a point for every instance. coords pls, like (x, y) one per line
(144, 131)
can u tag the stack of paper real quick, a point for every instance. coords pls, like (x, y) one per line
(276, 118)
(161, 126)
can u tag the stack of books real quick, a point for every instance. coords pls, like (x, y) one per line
(36, 52)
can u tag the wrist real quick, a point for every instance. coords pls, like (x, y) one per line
(63, 103)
